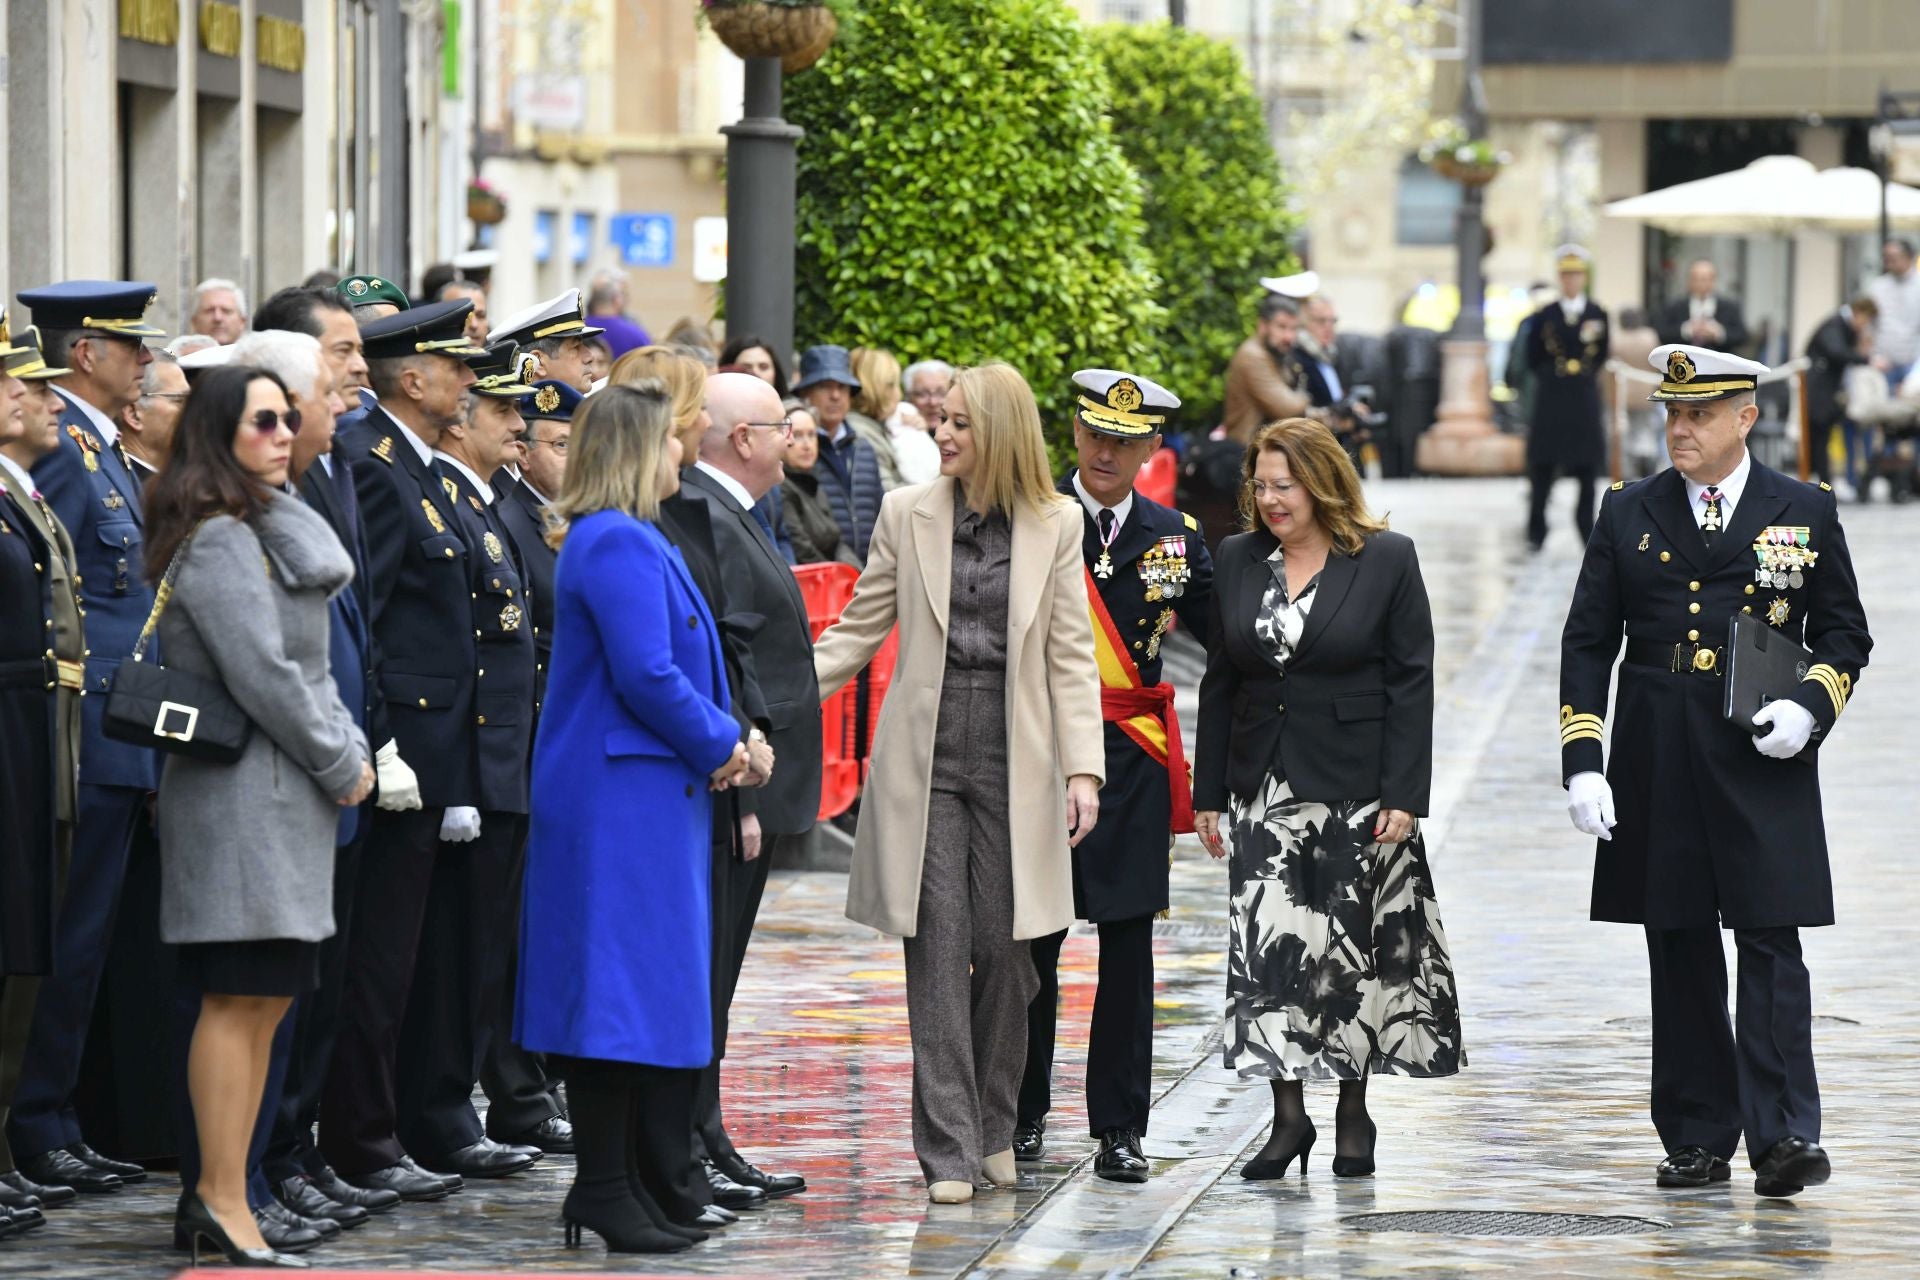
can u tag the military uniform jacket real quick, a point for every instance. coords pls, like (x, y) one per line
(27, 745)
(91, 491)
(1120, 869)
(503, 629)
(1709, 830)
(418, 576)
(63, 639)
(1566, 427)
(525, 517)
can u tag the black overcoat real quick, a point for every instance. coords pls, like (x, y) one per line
(1567, 427)
(27, 850)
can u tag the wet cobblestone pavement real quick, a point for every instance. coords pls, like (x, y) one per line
(1551, 1116)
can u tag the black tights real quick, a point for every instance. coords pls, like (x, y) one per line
(1352, 1136)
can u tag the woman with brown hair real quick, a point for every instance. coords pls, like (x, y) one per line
(987, 762)
(1316, 741)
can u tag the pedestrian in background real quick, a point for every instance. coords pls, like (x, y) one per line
(247, 847)
(809, 520)
(989, 734)
(757, 356)
(849, 467)
(1316, 744)
(927, 383)
(1896, 294)
(879, 399)
(1567, 343)
(1842, 343)
(219, 310)
(1703, 315)
(607, 310)
(616, 930)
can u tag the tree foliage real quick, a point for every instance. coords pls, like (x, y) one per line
(1185, 112)
(961, 195)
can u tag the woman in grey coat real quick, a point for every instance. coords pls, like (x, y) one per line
(246, 849)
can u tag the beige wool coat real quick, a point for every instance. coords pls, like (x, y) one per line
(1053, 702)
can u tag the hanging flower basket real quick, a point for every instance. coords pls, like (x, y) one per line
(485, 205)
(797, 34)
(1452, 153)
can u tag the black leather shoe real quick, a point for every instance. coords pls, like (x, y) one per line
(406, 1180)
(307, 1200)
(46, 1197)
(1120, 1159)
(1789, 1167)
(775, 1185)
(11, 1198)
(285, 1233)
(23, 1219)
(120, 1169)
(327, 1227)
(553, 1136)
(64, 1169)
(1030, 1139)
(333, 1187)
(8, 1227)
(485, 1159)
(1692, 1167)
(711, 1218)
(729, 1194)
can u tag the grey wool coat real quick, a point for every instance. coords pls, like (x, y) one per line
(246, 849)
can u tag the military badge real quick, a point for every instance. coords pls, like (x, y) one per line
(1645, 538)
(1160, 627)
(453, 490)
(1679, 367)
(383, 450)
(1124, 395)
(510, 618)
(546, 399)
(1778, 612)
(492, 544)
(1785, 556)
(357, 288)
(433, 516)
(113, 501)
(475, 504)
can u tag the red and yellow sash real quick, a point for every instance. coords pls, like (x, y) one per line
(1144, 713)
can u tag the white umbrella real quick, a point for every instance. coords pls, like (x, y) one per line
(1849, 200)
(1773, 194)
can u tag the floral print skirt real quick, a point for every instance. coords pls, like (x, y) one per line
(1338, 966)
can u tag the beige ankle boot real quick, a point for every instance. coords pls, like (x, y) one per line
(950, 1192)
(999, 1169)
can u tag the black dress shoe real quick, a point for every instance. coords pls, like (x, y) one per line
(23, 1219)
(333, 1187)
(775, 1185)
(11, 1198)
(486, 1159)
(288, 1218)
(553, 1136)
(406, 1180)
(1120, 1159)
(729, 1194)
(48, 1197)
(1789, 1167)
(301, 1196)
(64, 1169)
(1692, 1167)
(285, 1233)
(1030, 1139)
(711, 1218)
(119, 1168)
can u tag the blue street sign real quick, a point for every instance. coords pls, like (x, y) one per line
(643, 239)
(543, 235)
(581, 241)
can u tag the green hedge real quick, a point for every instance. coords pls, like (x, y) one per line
(962, 196)
(1184, 110)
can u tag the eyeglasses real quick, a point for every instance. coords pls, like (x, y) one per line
(558, 445)
(167, 395)
(784, 426)
(266, 422)
(1260, 489)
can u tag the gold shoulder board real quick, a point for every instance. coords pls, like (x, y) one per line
(384, 450)
(1191, 522)
(1618, 485)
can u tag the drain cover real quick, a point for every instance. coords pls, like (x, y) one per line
(1641, 1022)
(1480, 1222)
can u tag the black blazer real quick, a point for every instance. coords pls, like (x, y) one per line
(1673, 318)
(1351, 717)
(525, 517)
(1834, 347)
(760, 581)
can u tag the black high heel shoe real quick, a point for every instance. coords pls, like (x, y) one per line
(619, 1221)
(192, 1218)
(1357, 1166)
(1265, 1166)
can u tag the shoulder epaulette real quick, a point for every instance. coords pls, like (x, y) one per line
(1618, 485)
(1191, 522)
(1826, 486)
(384, 450)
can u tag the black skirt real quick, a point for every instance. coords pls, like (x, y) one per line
(266, 967)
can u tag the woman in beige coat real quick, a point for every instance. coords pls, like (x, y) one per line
(987, 763)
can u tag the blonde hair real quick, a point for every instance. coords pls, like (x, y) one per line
(620, 434)
(879, 375)
(684, 378)
(1009, 447)
(1321, 466)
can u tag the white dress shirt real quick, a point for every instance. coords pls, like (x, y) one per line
(486, 490)
(109, 430)
(22, 482)
(1092, 504)
(735, 490)
(1574, 308)
(1730, 490)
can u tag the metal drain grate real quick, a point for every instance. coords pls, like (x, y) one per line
(1480, 1222)
(1205, 929)
(1641, 1022)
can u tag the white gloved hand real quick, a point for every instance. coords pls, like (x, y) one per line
(399, 787)
(1791, 726)
(460, 825)
(1590, 804)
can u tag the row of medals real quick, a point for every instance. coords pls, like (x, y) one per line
(1783, 561)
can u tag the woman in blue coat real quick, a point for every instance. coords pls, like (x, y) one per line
(634, 735)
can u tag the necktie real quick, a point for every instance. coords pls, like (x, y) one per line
(1710, 523)
(1106, 524)
(1103, 567)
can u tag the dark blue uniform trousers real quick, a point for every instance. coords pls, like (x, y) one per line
(1120, 1039)
(43, 1116)
(1712, 1081)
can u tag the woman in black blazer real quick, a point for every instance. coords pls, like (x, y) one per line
(1316, 742)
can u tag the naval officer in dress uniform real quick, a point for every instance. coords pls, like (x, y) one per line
(1146, 565)
(1567, 344)
(556, 331)
(1704, 825)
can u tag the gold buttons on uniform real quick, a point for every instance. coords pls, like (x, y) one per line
(1693, 586)
(449, 553)
(1664, 556)
(423, 704)
(1693, 635)
(482, 671)
(1749, 588)
(1694, 607)
(479, 719)
(1746, 608)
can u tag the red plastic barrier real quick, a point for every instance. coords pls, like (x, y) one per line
(1157, 477)
(846, 736)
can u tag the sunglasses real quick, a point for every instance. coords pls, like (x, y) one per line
(266, 422)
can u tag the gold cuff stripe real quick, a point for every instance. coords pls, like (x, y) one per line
(1576, 735)
(1836, 685)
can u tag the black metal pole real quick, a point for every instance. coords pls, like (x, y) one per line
(1470, 227)
(761, 160)
(1177, 12)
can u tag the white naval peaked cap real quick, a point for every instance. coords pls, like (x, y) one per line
(561, 316)
(1700, 373)
(206, 358)
(1572, 257)
(475, 260)
(1116, 403)
(1302, 285)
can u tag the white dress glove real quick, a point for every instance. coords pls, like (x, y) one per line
(1792, 725)
(460, 825)
(399, 787)
(1590, 804)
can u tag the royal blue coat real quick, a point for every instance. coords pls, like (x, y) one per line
(616, 931)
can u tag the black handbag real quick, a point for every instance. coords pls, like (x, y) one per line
(152, 706)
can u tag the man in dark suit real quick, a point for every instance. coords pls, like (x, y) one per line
(1146, 565)
(740, 460)
(1567, 344)
(1844, 339)
(97, 330)
(1717, 825)
(419, 570)
(1333, 369)
(1704, 317)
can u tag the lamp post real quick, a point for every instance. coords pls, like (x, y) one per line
(761, 161)
(1463, 439)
